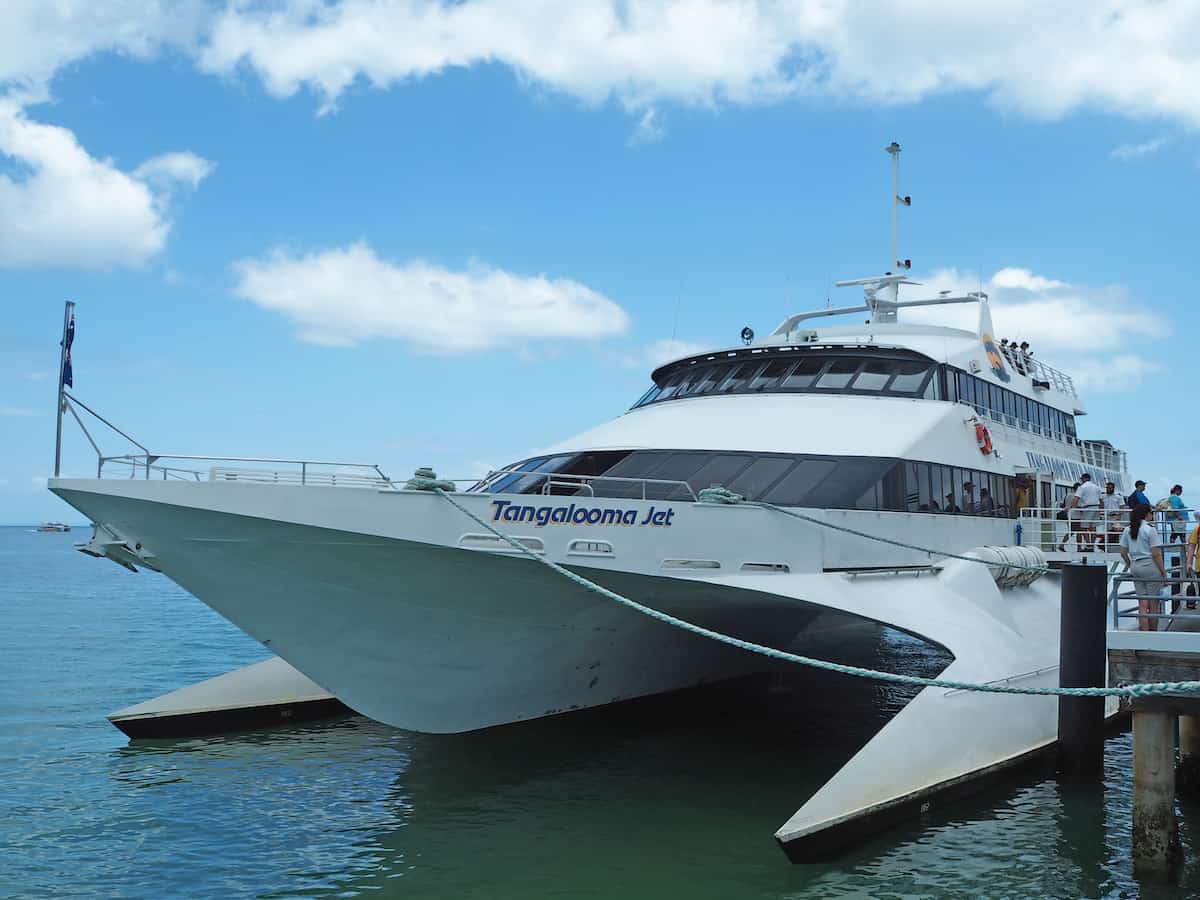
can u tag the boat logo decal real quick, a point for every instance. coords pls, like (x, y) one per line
(540, 516)
(995, 360)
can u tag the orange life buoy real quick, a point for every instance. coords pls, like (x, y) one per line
(983, 438)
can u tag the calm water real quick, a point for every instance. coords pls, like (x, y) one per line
(675, 798)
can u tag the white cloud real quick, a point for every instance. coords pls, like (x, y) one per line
(649, 128)
(1085, 331)
(1129, 152)
(173, 170)
(346, 295)
(18, 412)
(1131, 58)
(67, 208)
(40, 37)
(654, 354)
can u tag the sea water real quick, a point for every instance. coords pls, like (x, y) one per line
(671, 797)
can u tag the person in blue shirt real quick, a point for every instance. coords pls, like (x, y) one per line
(1176, 515)
(1138, 497)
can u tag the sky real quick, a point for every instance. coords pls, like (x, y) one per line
(447, 234)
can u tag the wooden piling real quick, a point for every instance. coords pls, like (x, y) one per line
(1155, 831)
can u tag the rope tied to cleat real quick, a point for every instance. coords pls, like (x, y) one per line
(720, 495)
(426, 480)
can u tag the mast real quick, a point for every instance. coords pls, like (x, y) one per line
(893, 150)
(64, 353)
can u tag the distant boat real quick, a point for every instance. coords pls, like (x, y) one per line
(53, 526)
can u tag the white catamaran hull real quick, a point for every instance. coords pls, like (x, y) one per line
(375, 596)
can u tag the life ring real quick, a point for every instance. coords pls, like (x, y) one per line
(983, 439)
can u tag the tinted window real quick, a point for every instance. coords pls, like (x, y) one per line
(738, 377)
(804, 374)
(701, 381)
(720, 469)
(910, 374)
(672, 386)
(844, 487)
(800, 481)
(759, 476)
(771, 375)
(649, 396)
(875, 374)
(838, 374)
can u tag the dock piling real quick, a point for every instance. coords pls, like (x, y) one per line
(1082, 663)
(1155, 831)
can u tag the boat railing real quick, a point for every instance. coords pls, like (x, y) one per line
(547, 482)
(1040, 372)
(1100, 531)
(150, 465)
(1125, 590)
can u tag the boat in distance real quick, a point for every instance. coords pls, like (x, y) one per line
(409, 612)
(54, 527)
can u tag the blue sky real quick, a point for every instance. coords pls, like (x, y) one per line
(341, 231)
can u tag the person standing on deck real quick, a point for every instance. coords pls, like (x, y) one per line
(1142, 551)
(968, 498)
(1087, 499)
(1138, 497)
(1110, 514)
(1176, 515)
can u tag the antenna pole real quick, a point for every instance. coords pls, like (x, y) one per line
(893, 150)
(62, 365)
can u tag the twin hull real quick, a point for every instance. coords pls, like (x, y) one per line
(412, 614)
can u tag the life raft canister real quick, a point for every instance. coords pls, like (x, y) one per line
(983, 439)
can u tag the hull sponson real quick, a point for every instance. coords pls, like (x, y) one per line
(441, 639)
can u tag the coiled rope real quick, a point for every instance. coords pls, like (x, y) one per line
(426, 480)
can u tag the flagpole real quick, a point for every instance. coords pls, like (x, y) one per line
(62, 365)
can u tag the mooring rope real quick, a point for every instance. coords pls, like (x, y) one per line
(426, 480)
(724, 496)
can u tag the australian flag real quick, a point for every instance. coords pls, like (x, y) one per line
(68, 339)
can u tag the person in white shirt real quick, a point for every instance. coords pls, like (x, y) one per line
(1087, 500)
(1141, 548)
(1110, 514)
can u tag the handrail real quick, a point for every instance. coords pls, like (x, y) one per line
(148, 461)
(584, 480)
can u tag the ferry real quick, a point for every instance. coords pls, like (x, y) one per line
(904, 445)
(54, 527)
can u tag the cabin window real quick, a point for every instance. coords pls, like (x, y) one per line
(771, 374)
(838, 374)
(875, 375)
(754, 480)
(821, 482)
(910, 375)
(804, 374)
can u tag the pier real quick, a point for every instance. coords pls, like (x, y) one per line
(1169, 654)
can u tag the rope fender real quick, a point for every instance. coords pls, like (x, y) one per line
(426, 480)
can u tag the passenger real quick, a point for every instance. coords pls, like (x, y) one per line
(968, 498)
(950, 507)
(933, 506)
(1142, 551)
(1110, 515)
(987, 506)
(1087, 500)
(1138, 497)
(1026, 357)
(1067, 511)
(1177, 515)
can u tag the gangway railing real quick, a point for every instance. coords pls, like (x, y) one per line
(1177, 581)
(1099, 530)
